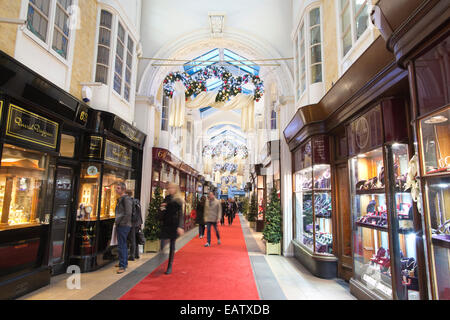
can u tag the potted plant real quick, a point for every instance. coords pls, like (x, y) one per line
(245, 207)
(152, 226)
(253, 212)
(272, 232)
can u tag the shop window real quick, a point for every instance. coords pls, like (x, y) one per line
(24, 176)
(111, 177)
(44, 13)
(354, 20)
(67, 148)
(315, 45)
(104, 46)
(88, 194)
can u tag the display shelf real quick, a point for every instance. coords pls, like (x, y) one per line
(441, 240)
(371, 226)
(371, 191)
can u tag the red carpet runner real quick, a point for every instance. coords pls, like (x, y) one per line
(220, 272)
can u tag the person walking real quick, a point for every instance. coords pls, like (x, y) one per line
(224, 206)
(136, 223)
(213, 214)
(172, 221)
(123, 210)
(200, 218)
(230, 212)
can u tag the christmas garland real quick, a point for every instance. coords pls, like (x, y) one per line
(231, 86)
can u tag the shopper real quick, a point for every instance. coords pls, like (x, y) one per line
(235, 208)
(123, 212)
(200, 218)
(230, 212)
(224, 206)
(172, 220)
(136, 223)
(213, 214)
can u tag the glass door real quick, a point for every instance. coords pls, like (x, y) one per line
(61, 212)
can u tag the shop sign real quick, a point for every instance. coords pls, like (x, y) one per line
(82, 115)
(321, 150)
(366, 132)
(128, 130)
(117, 153)
(30, 127)
(95, 147)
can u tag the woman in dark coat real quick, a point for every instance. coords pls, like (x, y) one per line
(200, 218)
(172, 220)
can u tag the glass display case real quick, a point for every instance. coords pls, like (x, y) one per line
(313, 204)
(314, 209)
(434, 145)
(23, 180)
(376, 196)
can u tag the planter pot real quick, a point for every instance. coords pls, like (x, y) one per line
(152, 246)
(252, 224)
(273, 248)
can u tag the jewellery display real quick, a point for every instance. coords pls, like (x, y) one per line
(21, 179)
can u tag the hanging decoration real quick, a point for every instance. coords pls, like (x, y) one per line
(226, 150)
(222, 168)
(196, 84)
(228, 180)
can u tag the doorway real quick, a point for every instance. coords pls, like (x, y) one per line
(61, 213)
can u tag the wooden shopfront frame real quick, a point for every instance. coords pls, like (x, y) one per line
(163, 157)
(107, 149)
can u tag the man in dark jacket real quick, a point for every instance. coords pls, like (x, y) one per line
(124, 209)
(136, 223)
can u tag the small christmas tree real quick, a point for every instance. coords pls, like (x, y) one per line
(253, 212)
(272, 230)
(152, 226)
(245, 207)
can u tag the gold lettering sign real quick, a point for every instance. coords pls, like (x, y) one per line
(117, 153)
(1, 109)
(95, 147)
(28, 126)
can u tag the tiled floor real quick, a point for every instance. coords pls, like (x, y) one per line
(277, 277)
(296, 282)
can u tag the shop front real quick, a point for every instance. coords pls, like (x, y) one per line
(112, 154)
(169, 169)
(429, 74)
(42, 129)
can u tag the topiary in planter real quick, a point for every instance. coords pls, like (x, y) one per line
(253, 211)
(152, 227)
(272, 232)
